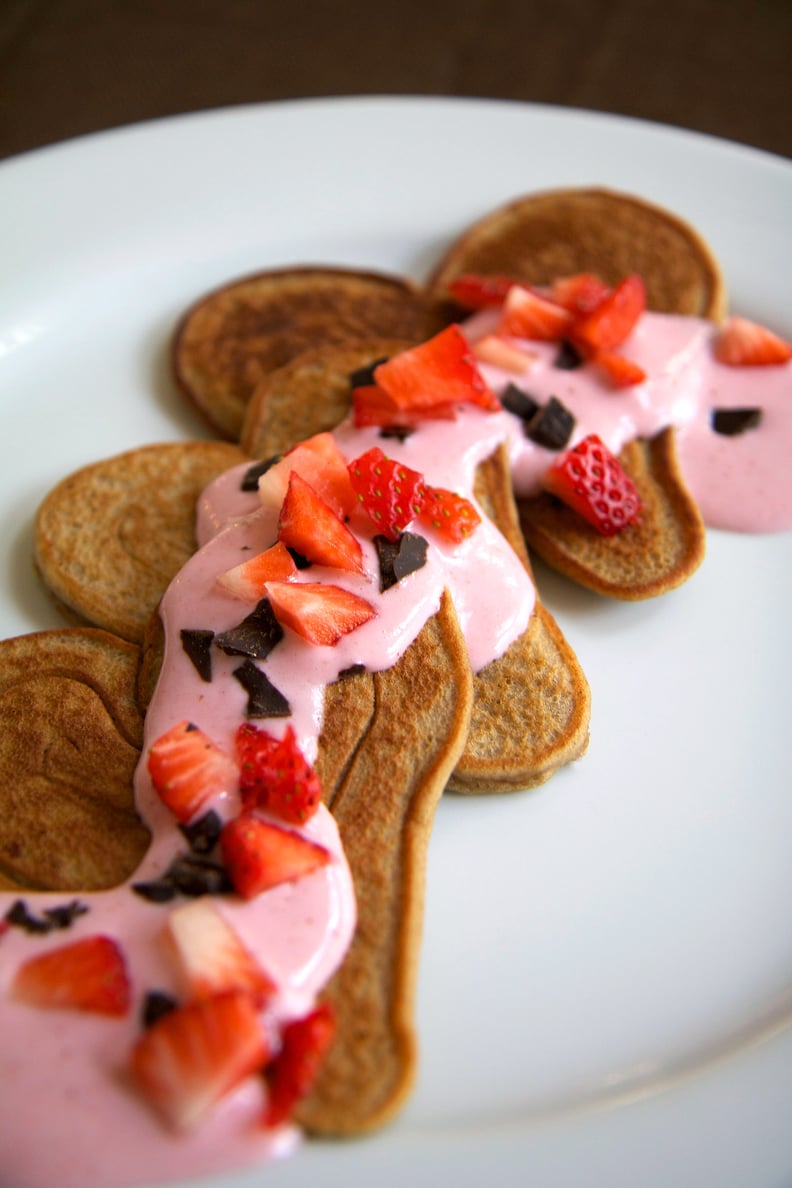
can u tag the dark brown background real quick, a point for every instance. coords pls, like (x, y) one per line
(73, 66)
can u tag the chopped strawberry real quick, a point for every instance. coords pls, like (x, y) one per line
(474, 291)
(211, 955)
(188, 770)
(742, 343)
(621, 372)
(320, 462)
(390, 493)
(259, 855)
(318, 612)
(293, 1072)
(498, 352)
(310, 526)
(188, 1060)
(592, 481)
(87, 975)
(373, 406)
(247, 580)
(438, 372)
(580, 293)
(613, 320)
(275, 775)
(453, 516)
(527, 314)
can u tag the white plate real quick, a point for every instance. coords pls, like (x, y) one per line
(606, 981)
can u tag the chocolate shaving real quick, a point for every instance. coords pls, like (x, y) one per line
(569, 357)
(188, 874)
(732, 421)
(52, 919)
(350, 671)
(299, 560)
(397, 432)
(264, 700)
(516, 401)
(398, 558)
(552, 425)
(202, 835)
(255, 636)
(253, 473)
(363, 377)
(197, 644)
(156, 1004)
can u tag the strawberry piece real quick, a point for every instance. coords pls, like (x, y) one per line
(742, 343)
(473, 291)
(310, 526)
(188, 770)
(592, 481)
(293, 1072)
(259, 855)
(320, 462)
(527, 314)
(580, 293)
(247, 580)
(87, 975)
(621, 372)
(438, 372)
(194, 1055)
(453, 516)
(498, 352)
(211, 956)
(612, 321)
(390, 493)
(373, 406)
(275, 775)
(320, 613)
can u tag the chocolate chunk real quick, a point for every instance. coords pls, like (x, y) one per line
(194, 876)
(197, 643)
(255, 636)
(203, 834)
(64, 914)
(569, 357)
(156, 891)
(363, 377)
(552, 425)
(264, 700)
(253, 473)
(732, 421)
(298, 559)
(352, 670)
(61, 916)
(516, 401)
(398, 558)
(156, 1004)
(397, 432)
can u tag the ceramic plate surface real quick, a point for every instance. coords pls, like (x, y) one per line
(606, 980)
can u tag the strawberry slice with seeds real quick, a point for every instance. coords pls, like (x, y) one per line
(527, 314)
(188, 770)
(211, 955)
(260, 855)
(374, 407)
(187, 1061)
(275, 775)
(293, 1072)
(743, 343)
(614, 319)
(590, 480)
(310, 526)
(247, 580)
(437, 373)
(451, 515)
(319, 612)
(320, 462)
(86, 975)
(474, 291)
(389, 492)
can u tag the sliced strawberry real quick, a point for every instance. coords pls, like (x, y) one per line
(310, 526)
(188, 770)
(498, 352)
(318, 612)
(592, 481)
(621, 372)
(320, 462)
(580, 293)
(474, 291)
(86, 975)
(453, 516)
(527, 314)
(247, 580)
(373, 406)
(211, 956)
(614, 319)
(259, 855)
(436, 373)
(275, 775)
(194, 1055)
(390, 493)
(293, 1072)
(742, 343)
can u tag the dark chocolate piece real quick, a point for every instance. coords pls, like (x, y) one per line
(397, 432)
(194, 876)
(156, 890)
(732, 421)
(516, 401)
(197, 643)
(203, 834)
(398, 558)
(552, 425)
(569, 357)
(61, 916)
(253, 473)
(156, 1004)
(255, 636)
(352, 670)
(299, 560)
(363, 377)
(65, 914)
(264, 700)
